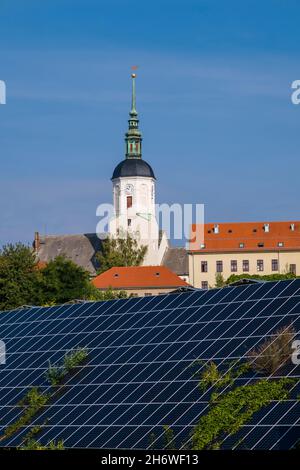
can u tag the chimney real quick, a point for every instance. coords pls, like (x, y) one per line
(36, 242)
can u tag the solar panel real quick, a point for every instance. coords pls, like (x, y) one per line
(139, 372)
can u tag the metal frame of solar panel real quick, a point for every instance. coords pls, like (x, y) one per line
(138, 376)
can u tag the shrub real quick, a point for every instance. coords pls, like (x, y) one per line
(168, 438)
(72, 359)
(152, 440)
(219, 280)
(54, 374)
(234, 409)
(32, 444)
(264, 277)
(211, 376)
(274, 352)
(32, 403)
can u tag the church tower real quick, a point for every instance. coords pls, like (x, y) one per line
(134, 191)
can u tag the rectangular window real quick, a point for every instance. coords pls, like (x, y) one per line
(274, 264)
(293, 269)
(204, 285)
(129, 222)
(260, 265)
(233, 265)
(129, 202)
(219, 266)
(204, 266)
(245, 265)
(147, 294)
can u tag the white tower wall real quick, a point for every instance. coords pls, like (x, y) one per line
(138, 220)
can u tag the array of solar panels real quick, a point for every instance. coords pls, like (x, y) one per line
(138, 376)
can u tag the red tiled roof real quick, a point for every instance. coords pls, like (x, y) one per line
(281, 236)
(138, 277)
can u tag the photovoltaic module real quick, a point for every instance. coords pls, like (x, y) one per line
(139, 374)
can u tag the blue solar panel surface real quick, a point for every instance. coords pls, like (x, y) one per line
(139, 374)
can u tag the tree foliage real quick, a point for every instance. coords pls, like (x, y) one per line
(62, 281)
(32, 403)
(124, 251)
(19, 277)
(168, 438)
(219, 282)
(231, 406)
(22, 282)
(265, 277)
(109, 294)
(233, 409)
(72, 359)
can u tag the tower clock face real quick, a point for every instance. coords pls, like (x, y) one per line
(129, 189)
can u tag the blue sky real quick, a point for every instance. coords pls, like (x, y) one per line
(213, 91)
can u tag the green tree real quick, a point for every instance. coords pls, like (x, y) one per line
(124, 251)
(22, 282)
(63, 281)
(19, 277)
(220, 282)
(109, 294)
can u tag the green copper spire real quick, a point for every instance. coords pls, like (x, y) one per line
(133, 137)
(133, 111)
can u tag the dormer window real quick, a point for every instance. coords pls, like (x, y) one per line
(292, 227)
(242, 245)
(267, 228)
(280, 244)
(260, 244)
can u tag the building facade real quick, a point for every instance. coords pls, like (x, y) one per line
(261, 248)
